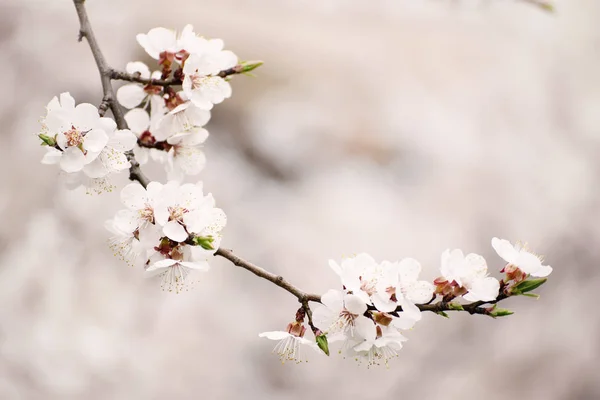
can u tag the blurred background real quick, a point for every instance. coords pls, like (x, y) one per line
(400, 128)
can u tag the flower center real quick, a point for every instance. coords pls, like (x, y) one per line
(176, 213)
(74, 137)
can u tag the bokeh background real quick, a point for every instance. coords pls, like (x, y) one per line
(400, 128)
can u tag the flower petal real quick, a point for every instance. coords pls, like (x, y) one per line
(72, 160)
(175, 231)
(138, 120)
(131, 95)
(505, 249)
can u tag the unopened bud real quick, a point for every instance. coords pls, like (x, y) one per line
(247, 66)
(322, 343)
(205, 242)
(47, 140)
(500, 312)
(527, 286)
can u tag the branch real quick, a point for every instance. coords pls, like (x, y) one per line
(108, 101)
(278, 280)
(124, 76)
(304, 297)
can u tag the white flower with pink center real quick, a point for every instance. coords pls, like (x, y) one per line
(518, 256)
(201, 84)
(165, 44)
(79, 132)
(471, 273)
(184, 210)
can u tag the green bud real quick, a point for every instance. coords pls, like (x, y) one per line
(322, 343)
(47, 140)
(247, 66)
(536, 296)
(527, 286)
(455, 306)
(443, 314)
(205, 242)
(500, 312)
(546, 6)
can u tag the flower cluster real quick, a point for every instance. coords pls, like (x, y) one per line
(169, 229)
(169, 123)
(378, 301)
(85, 146)
(172, 229)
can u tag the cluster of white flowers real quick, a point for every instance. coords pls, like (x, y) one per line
(381, 300)
(169, 229)
(173, 229)
(85, 146)
(168, 123)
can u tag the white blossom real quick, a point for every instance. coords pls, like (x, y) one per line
(201, 83)
(78, 130)
(185, 210)
(379, 344)
(165, 43)
(185, 156)
(182, 118)
(337, 314)
(469, 272)
(519, 257)
(289, 345)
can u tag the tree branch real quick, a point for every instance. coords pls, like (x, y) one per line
(124, 76)
(276, 279)
(304, 297)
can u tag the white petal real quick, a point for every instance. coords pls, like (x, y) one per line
(505, 249)
(72, 160)
(335, 267)
(134, 196)
(409, 270)
(123, 140)
(166, 263)
(198, 265)
(67, 101)
(85, 116)
(485, 289)
(527, 262)
(543, 272)
(126, 221)
(175, 231)
(138, 120)
(108, 125)
(354, 304)
(419, 292)
(333, 299)
(365, 328)
(95, 140)
(383, 303)
(52, 156)
(275, 335)
(226, 59)
(138, 67)
(131, 95)
(96, 169)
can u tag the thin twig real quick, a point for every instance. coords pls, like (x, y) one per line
(278, 280)
(124, 76)
(85, 31)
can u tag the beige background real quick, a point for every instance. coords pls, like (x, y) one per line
(399, 128)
